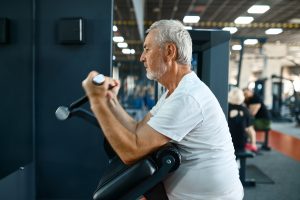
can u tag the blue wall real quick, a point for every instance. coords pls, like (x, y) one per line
(37, 75)
(16, 72)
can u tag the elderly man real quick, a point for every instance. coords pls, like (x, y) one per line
(187, 114)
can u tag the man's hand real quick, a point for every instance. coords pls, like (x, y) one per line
(114, 88)
(100, 93)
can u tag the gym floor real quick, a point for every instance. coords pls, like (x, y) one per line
(281, 165)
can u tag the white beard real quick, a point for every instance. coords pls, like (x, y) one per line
(150, 75)
(158, 74)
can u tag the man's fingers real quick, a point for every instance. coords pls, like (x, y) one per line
(93, 73)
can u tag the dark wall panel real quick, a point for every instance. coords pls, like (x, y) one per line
(16, 102)
(18, 185)
(70, 157)
(16, 75)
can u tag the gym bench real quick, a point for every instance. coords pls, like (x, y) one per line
(242, 156)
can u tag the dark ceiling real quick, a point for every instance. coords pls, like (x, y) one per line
(214, 14)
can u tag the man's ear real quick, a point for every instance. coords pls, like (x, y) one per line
(171, 51)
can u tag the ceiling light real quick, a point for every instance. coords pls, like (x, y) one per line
(191, 19)
(114, 57)
(115, 28)
(126, 51)
(232, 30)
(273, 31)
(250, 41)
(258, 9)
(132, 51)
(295, 21)
(118, 39)
(122, 45)
(243, 20)
(236, 47)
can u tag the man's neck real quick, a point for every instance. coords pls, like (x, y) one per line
(172, 78)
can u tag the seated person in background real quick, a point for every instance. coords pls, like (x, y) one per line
(239, 122)
(187, 114)
(258, 110)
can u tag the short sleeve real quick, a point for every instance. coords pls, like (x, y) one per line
(177, 116)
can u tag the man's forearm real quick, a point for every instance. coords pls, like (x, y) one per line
(125, 119)
(122, 140)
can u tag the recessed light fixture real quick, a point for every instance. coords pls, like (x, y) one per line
(191, 19)
(273, 31)
(250, 41)
(115, 28)
(232, 30)
(243, 20)
(118, 39)
(258, 9)
(236, 47)
(295, 21)
(132, 51)
(128, 51)
(122, 45)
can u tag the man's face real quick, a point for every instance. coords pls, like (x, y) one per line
(152, 57)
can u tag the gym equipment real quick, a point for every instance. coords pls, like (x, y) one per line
(265, 143)
(130, 182)
(63, 112)
(127, 182)
(242, 156)
(292, 102)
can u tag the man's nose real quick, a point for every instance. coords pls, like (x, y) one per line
(142, 58)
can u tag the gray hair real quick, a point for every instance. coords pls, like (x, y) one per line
(236, 96)
(175, 32)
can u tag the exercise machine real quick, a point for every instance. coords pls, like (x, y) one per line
(292, 102)
(121, 181)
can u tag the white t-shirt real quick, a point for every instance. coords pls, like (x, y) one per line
(192, 117)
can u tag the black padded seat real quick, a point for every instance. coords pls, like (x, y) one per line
(126, 182)
(129, 182)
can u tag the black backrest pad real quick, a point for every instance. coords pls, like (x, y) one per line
(120, 178)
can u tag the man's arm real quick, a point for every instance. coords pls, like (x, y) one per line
(130, 145)
(131, 140)
(119, 112)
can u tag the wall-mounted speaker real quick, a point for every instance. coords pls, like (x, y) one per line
(4, 30)
(71, 30)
